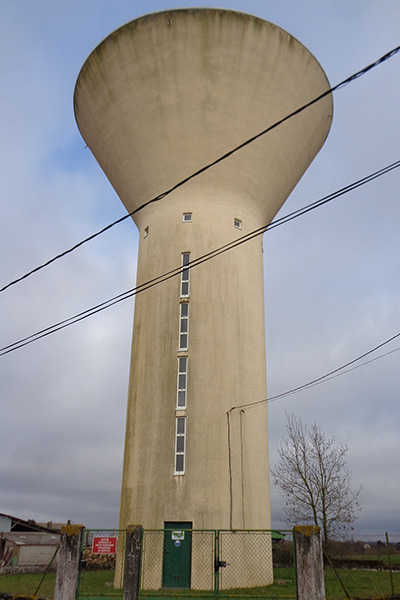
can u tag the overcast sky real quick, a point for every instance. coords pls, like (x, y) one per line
(332, 283)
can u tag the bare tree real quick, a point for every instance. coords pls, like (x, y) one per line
(314, 480)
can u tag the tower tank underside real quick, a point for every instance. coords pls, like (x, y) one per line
(156, 101)
(171, 92)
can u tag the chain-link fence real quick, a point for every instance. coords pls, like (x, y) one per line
(258, 563)
(101, 568)
(28, 563)
(366, 566)
(178, 559)
(217, 563)
(246, 559)
(198, 563)
(283, 561)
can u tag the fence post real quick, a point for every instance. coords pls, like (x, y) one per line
(133, 550)
(309, 563)
(390, 562)
(68, 563)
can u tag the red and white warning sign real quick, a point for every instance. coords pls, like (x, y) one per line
(104, 545)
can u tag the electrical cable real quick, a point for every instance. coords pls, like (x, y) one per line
(343, 83)
(200, 260)
(322, 378)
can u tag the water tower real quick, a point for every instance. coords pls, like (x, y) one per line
(159, 98)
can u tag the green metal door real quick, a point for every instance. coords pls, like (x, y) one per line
(177, 559)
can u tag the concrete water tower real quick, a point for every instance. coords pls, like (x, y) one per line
(159, 98)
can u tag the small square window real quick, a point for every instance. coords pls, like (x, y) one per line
(187, 217)
(237, 223)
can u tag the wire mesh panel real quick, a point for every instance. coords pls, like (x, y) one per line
(259, 561)
(152, 560)
(367, 566)
(283, 559)
(29, 567)
(203, 560)
(98, 576)
(245, 558)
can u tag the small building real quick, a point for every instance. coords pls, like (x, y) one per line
(28, 549)
(27, 544)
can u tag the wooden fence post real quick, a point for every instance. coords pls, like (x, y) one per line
(68, 563)
(309, 563)
(133, 550)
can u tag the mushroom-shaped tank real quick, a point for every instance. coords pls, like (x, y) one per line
(171, 92)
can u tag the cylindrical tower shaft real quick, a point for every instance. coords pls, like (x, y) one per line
(221, 319)
(157, 100)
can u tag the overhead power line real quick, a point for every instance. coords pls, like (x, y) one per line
(338, 371)
(194, 263)
(323, 378)
(208, 166)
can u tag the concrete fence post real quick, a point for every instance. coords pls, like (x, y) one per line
(309, 563)
(68, 563)
(133, 550)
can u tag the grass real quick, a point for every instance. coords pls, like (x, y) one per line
(394, 558)
(98, 584)
(360, 583)
(28, 584)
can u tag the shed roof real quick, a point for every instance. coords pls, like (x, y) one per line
(18, 524)
(27, 538)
